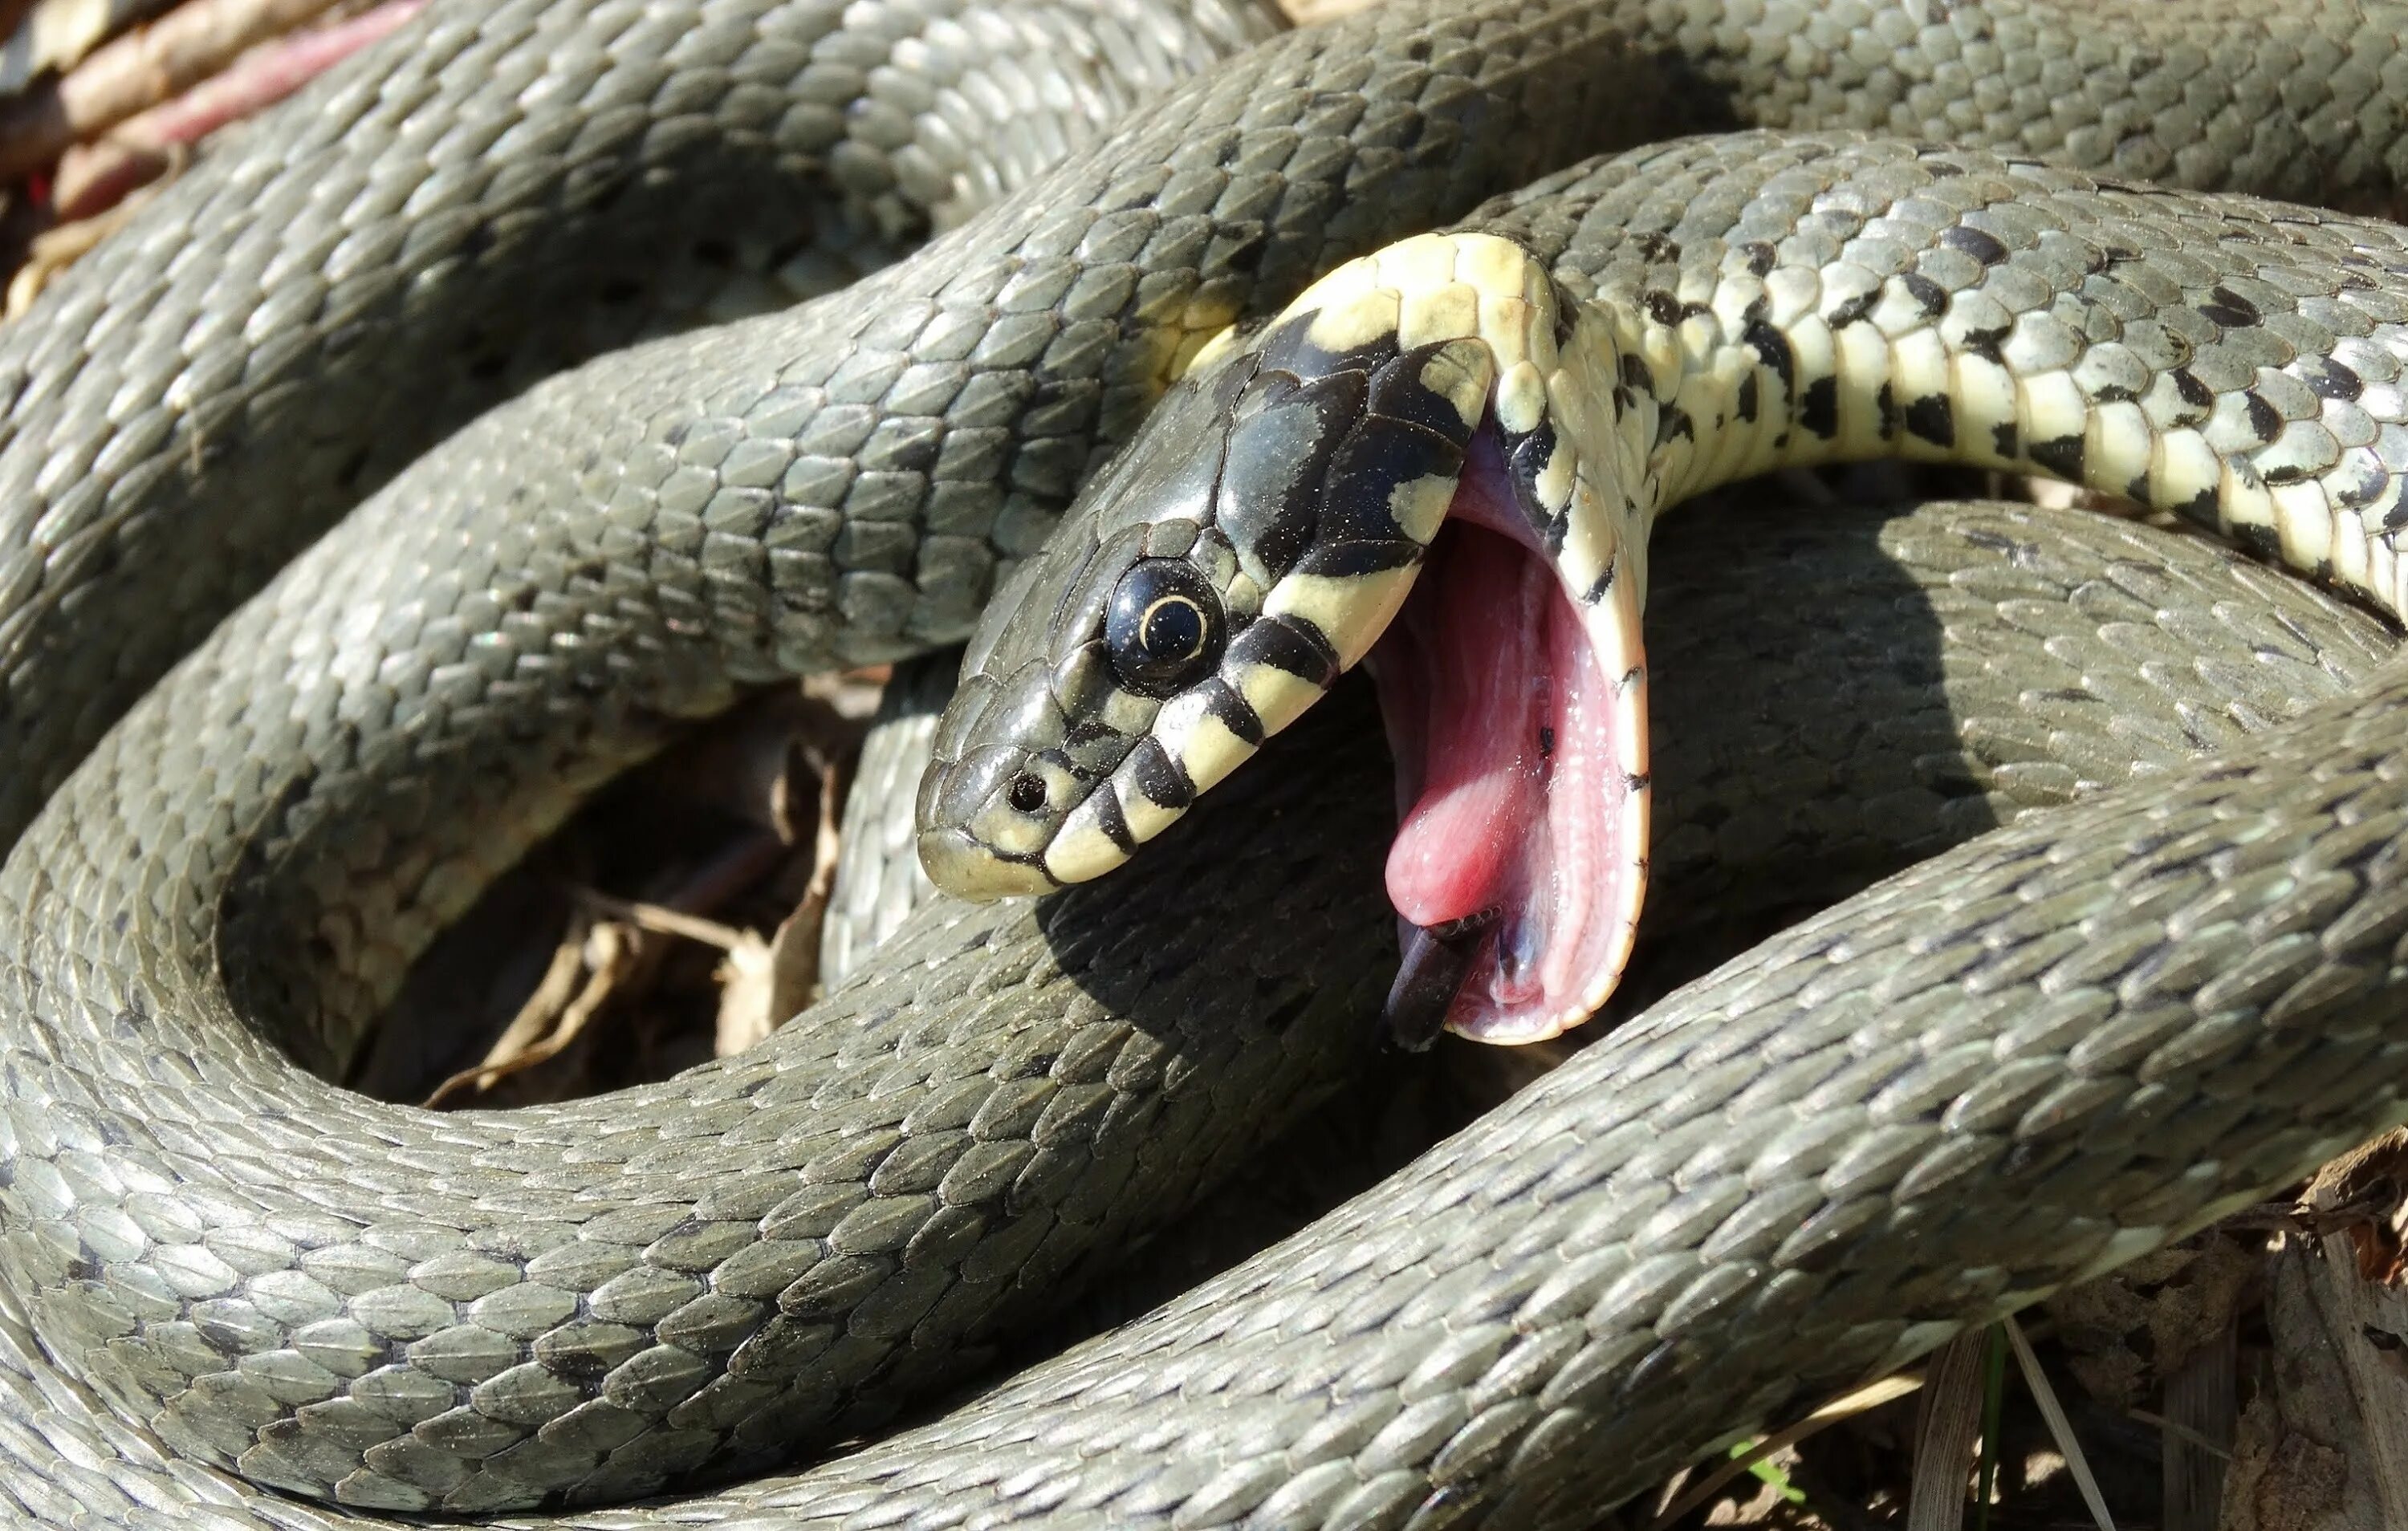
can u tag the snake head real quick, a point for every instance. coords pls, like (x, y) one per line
(1256, 539)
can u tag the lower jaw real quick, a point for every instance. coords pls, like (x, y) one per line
(1508, 868)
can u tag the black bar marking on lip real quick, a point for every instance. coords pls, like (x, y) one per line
(1236, 714)
(1112, 821)
(1162, 778)
(1525, 458)
(1290, 643)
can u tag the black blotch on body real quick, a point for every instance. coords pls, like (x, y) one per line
(1985, 248)
(2229, 308)
(1933, 418)
(1673, 421)
(1853, 310)
(2397, 517)
(1655, 246)
(1989, 345)
(1929, 293)
(2262, 540)
(2329, 379)
(1819, 410)
(1773, 348)
(2062, 456)
(2264, 418)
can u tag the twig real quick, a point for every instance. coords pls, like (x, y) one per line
(662, 920)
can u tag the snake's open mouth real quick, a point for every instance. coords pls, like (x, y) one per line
(1518, 861)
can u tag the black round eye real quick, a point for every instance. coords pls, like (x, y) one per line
(1163, 628)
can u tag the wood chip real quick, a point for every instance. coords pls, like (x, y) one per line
(52, 34)
(146, 66)
(2325, 1448)
(93, 176)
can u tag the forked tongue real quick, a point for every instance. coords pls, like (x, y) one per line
(1516, 871)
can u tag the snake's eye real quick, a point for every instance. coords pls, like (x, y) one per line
(1164, 627)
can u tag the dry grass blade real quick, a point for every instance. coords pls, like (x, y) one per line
(2202, 1411)
(2160, 1422)
(765, 983)
(2059, 1427)
(552, 1016)
(2325, 1443)
(1946, 1423)
(1847, 1406)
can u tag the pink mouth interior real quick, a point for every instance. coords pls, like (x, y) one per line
(1503, 722)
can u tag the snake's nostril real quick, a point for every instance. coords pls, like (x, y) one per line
(1026, 794)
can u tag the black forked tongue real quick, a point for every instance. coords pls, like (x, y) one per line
(1437, 957)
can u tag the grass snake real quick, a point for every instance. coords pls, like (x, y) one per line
(1730, 1204)
(1443, 461)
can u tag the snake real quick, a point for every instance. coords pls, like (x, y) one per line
(1444, 460)
(234, 1286)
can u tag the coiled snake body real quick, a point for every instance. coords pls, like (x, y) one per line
(2021, 1061)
